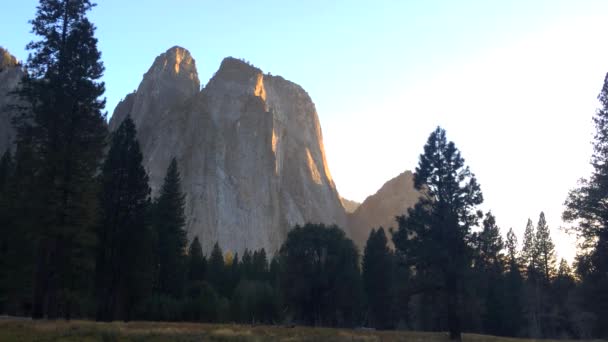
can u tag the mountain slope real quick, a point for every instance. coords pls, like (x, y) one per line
(380, 209)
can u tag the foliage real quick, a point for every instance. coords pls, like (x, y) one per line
(378, 280)
(320, 275)
(169, 222)
(434, 237)
(63, 130)
(124, 249)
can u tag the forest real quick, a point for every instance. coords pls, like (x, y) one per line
(82, 237)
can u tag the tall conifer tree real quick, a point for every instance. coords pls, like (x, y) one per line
(65, 129)
(378, 279)
(434, 236)
(586, 209)
(545, 250)
(169, 221)
(125, 239)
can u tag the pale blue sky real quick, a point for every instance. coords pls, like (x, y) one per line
(513, 82)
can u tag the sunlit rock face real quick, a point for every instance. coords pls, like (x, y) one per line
(11, 74)
(249, 147)
(380, 209)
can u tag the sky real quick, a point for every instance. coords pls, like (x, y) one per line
(514, 83)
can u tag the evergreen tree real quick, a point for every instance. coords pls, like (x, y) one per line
(513, 289)
(434, 236)
(320, 275)
(196, 261)
(545, 250)
(562, 290)
(247, 265)
(216, 269)
(125, 239)
(260, 265)
(532, 290)
(378, 279)
(64, 129)
(169, 221)
(489, 270)
(489, 246)
(529, 252)
(586, 209)
(511, 245)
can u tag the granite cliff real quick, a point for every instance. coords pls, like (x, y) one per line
(249, 147)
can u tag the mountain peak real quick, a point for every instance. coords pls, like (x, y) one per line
(178, 62)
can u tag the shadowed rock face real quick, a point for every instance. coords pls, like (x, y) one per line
(380, 209)
(249, 147)
(11, 74)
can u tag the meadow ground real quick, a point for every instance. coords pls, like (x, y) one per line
(25, 330)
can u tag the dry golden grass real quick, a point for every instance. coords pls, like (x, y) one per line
(20, 330)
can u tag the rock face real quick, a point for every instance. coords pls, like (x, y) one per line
(380, 209)
(349, 206)
(249, 148)
(11, 74)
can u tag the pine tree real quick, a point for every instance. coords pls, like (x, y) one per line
(533, 290)
(125, 239)
(247, 265)
(511, 245)
(489, 272)
(378, 279)
(513, 289)
(320, 275)
(64, 128)
(489, 246)
(196, 261)
(545, 250)
(216, 268)
(260, 265)
(169, 221)
(587, 211)
(529, 252)
(434, 236)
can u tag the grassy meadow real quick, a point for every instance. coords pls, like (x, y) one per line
(25, 330)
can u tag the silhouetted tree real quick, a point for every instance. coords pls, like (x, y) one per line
(378, 279)
(586, 209)
(169, 221)
(216, 269)
(489, 270)
(125, 248)
(513, 289)
(64, 128)
(320, 275)
(545, 250)
(434, 236)
(196, 261)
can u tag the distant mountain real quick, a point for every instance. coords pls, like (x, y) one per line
(249, 147)
(349, 206)
(380, 209)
